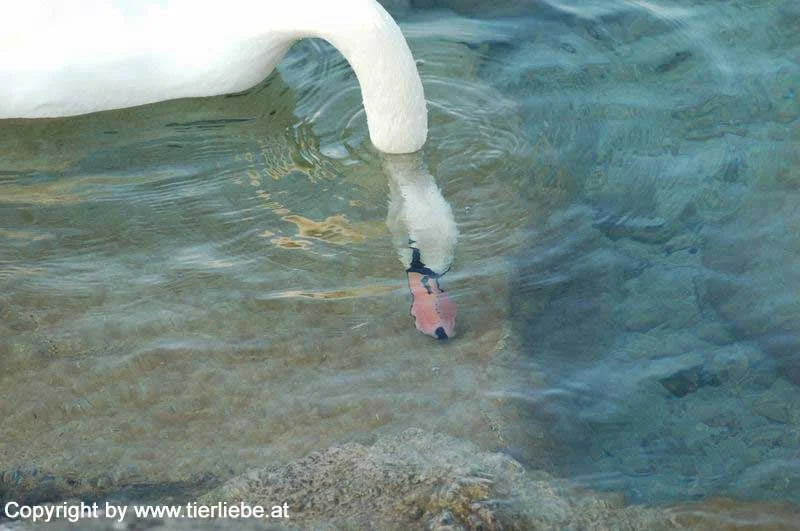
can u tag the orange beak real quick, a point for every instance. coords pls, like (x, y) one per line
(433, 310)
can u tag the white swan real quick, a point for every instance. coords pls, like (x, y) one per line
(69, 57)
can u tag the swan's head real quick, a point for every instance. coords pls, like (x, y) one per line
(432, 237)
(425, 233)
(433, 310)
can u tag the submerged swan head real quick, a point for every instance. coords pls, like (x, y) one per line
(424, 232)
(433, 310)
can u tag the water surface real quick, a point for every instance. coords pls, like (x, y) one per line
(194, 288)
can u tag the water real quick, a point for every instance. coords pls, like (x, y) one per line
(194, 288)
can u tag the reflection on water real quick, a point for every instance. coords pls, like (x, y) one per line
(197, 287)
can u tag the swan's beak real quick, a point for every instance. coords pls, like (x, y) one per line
(433, 310)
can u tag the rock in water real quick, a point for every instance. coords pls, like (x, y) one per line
(419, 480)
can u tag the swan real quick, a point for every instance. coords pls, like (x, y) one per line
(71, 57)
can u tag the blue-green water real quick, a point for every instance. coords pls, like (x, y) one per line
(194, 288)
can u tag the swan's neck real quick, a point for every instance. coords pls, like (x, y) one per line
(374, 46)
(421, 221)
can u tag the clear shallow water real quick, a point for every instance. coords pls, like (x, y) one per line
(194, 288)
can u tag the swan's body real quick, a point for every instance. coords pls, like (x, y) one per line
(69, 57)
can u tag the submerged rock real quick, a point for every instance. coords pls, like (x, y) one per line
(661, 296)
(754, 276)
(778, 403)
(689, 380)
(420, 480)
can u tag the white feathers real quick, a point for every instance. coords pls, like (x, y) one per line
(68, 57)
